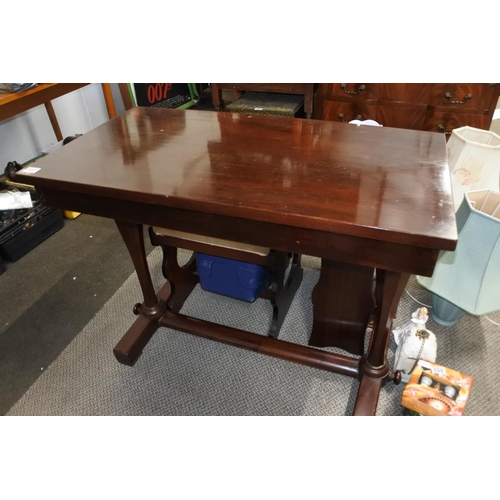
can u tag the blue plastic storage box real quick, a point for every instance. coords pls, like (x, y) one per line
(232, 278)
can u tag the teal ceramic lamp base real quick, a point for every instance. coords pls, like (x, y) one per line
(444, 312)
(467, 279)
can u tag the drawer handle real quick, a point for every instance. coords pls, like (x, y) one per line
(343, 120)
(449, 96)
(343, 86)
(442, 128)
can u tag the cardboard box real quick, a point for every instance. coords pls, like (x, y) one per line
(436, 390)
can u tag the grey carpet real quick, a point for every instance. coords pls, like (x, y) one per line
(51, 294)
(180, 374)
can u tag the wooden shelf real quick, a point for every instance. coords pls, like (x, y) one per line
(19, 102)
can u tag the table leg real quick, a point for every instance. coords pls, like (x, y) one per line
(308, 102)
(182, 279)
(216, 97)
(130, 347)
(342, 306)
(133, 237)
(374, 367)
(367, 398)
(389, 288)
(53, 120)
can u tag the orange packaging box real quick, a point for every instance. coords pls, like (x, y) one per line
(435, 390)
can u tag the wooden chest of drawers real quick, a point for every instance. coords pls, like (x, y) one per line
(437, 107)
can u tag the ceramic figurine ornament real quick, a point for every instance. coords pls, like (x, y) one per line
(418, 320)
(414, 341)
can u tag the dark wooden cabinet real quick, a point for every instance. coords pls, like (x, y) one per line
(437, 107)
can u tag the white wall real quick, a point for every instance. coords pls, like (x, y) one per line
(26, 135)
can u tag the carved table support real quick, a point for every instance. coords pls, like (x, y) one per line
(131, 345)
(133, 237)
(282, 293)
(389, 288)
(182, 279)
(374, 367)
(343, 303)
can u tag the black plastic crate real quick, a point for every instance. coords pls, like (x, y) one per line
(26, 229)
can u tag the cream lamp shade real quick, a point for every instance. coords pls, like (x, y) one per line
(469, 277)
(474, 159)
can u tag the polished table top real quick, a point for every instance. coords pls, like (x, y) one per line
(381, 183)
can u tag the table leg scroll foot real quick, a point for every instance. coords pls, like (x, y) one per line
(368, 394)
(130, 347)
(372, 378)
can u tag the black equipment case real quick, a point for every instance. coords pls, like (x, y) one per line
(24, 229)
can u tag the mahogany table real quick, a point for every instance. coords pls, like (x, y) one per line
(371, 202)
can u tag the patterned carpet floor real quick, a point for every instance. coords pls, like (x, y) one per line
(180, 374)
